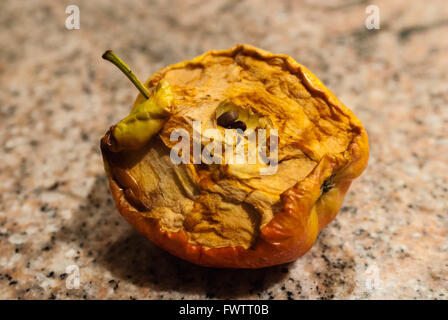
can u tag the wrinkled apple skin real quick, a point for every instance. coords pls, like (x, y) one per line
(305, 210)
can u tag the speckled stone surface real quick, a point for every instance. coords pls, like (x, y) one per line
(58, 98)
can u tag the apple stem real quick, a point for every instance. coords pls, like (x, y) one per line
(112, 57)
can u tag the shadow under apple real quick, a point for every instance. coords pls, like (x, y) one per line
(106, 238)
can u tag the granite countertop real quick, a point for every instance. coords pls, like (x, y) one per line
(58, 98)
